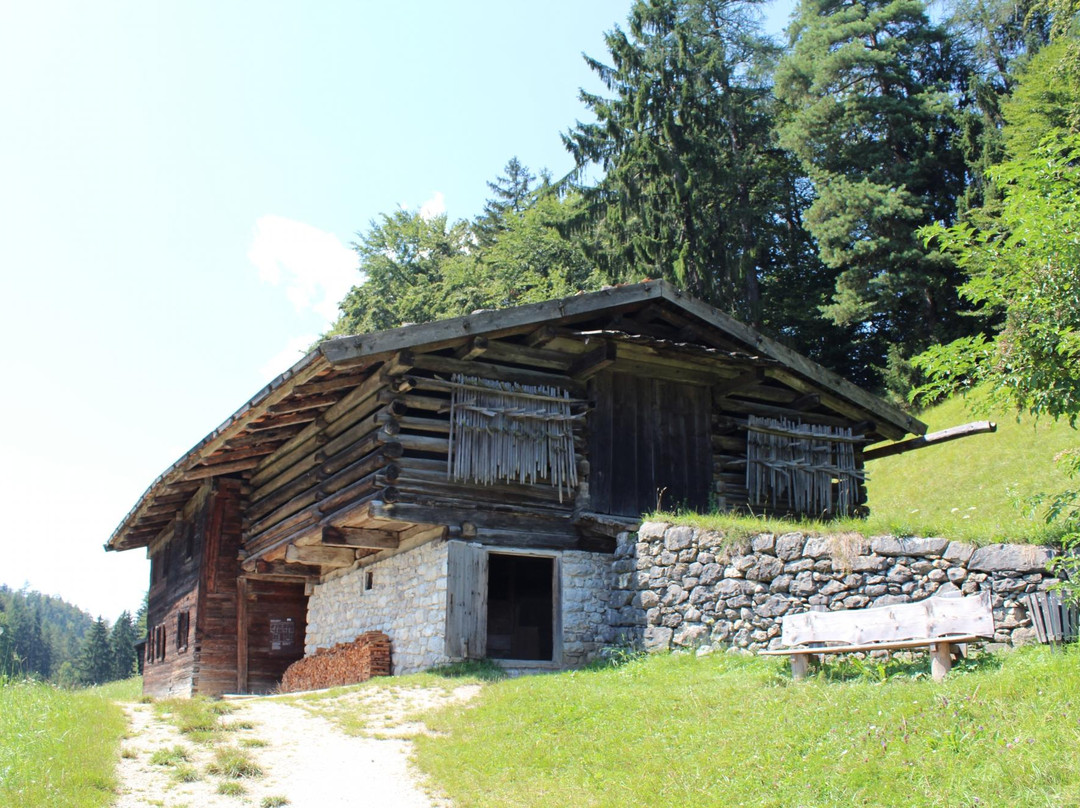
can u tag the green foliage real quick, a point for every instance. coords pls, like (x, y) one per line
(95, 665)
(689, 191)
(234, 763)
(484, 670)
(58, 748)
(122, 638)
(419, 269)
(730, 730)
(873, 124)
(274, 801)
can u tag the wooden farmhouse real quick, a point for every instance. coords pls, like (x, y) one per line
(458, 485)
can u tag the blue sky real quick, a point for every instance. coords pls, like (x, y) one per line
(179, 186)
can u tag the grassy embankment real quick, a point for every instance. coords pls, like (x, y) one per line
(976, 489)
(726, 730)
(59, 748)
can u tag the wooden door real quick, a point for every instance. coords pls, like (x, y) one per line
(649, 445)
(466, 600)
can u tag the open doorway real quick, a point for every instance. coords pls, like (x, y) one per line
(521, 607)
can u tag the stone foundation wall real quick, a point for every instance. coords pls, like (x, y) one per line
(678, 586)
(586, 591)
(407, 601)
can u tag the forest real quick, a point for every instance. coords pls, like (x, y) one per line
(46, 638)
(859, 192)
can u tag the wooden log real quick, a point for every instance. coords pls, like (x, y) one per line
(301, 404)
(943, 436)
(415, 401)
(500, 351)
(359, 537)
(448, 365)
(331, 385)
(279, 421)
(592, 362)
(203, 472)
(322, 556)
(419, 424)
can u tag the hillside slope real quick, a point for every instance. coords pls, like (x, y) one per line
(977, 488)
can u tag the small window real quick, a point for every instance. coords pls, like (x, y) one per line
(183, 625)
(159, 643)
(188, 534)
(369, 580)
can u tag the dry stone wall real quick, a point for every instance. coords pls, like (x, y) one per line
(677, 586)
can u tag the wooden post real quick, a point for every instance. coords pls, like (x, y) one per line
(799, 665)
(940, 660)
(241, 635)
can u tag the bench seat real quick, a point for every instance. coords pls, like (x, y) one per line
(935, 623)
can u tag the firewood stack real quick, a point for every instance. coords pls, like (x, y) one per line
(347, 663)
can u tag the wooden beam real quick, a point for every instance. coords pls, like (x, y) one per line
(365, 538)
(241, 635)
(744, 381)
(592, 362)
(301, 404)
(322, 556)
(202, 472)
(945, 435)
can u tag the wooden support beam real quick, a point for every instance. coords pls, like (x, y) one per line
(241, 635)
(331, 385)
(301, 404)
(203, 472)
(321, 556)
(945, 435)
(742, 382)
(592, 362)
(365, 538)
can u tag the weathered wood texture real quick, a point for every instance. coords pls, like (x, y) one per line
(649, 445)
(466, 605)
(276, 618)
(171, 665)
(347, 663)
(216, 625)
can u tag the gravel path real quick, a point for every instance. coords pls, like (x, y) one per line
(306, 759)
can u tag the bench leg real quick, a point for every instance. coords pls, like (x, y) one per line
(940, 660)
(799, 664)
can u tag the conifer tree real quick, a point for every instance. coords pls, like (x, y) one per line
(122, 647)
(871, 87)
(95, 665)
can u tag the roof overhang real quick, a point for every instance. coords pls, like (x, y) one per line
(297, 387)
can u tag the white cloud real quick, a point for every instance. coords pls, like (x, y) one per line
(436, 206)
(316, 269)
(287, 356)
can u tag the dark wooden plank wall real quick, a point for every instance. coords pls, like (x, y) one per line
(646, 436)
(216, 627)
(174, 588)
(268, 601)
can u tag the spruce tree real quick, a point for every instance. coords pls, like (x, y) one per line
(871, 87)
(95, 665)
(683, 140)
(122, 647)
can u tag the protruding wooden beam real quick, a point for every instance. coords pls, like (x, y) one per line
(361, 537)
(945, 435)
(472, 349)
(202, 472)
(592, 362)
(322, 556)
(740, 383)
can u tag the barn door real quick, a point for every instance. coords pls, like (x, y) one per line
(466, 600)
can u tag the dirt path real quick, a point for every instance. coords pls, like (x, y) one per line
(305, 757)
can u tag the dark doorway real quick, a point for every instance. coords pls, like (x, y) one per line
(520, 607)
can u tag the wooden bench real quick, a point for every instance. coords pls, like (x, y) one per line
(938, 623)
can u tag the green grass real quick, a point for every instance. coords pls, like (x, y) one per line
(727, 730)
(197, 718)
(59, 748)
(234, 763)
(231, 788)
(170, 757)
(975, 488)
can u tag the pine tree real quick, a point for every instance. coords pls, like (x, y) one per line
(684, 141)
(95, 665)
(871, 88)
(122, 647)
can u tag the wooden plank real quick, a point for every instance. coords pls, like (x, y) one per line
(932, 617)
(494, 350)
(241, 634)
(321, 556)
(942, 436)
(918, 642)
(359, 537)
(466, 604)
(449, 365)
(204, 472)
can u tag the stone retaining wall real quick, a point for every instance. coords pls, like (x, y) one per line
(678, 586)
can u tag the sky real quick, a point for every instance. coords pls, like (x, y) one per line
(180, 184)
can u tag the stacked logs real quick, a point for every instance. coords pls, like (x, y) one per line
(347, 663)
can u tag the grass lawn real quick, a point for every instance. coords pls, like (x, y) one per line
(727, 730)
(59, 748)
(975, 488)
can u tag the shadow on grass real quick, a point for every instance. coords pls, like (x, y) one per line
(850, 668)
(484, 669)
